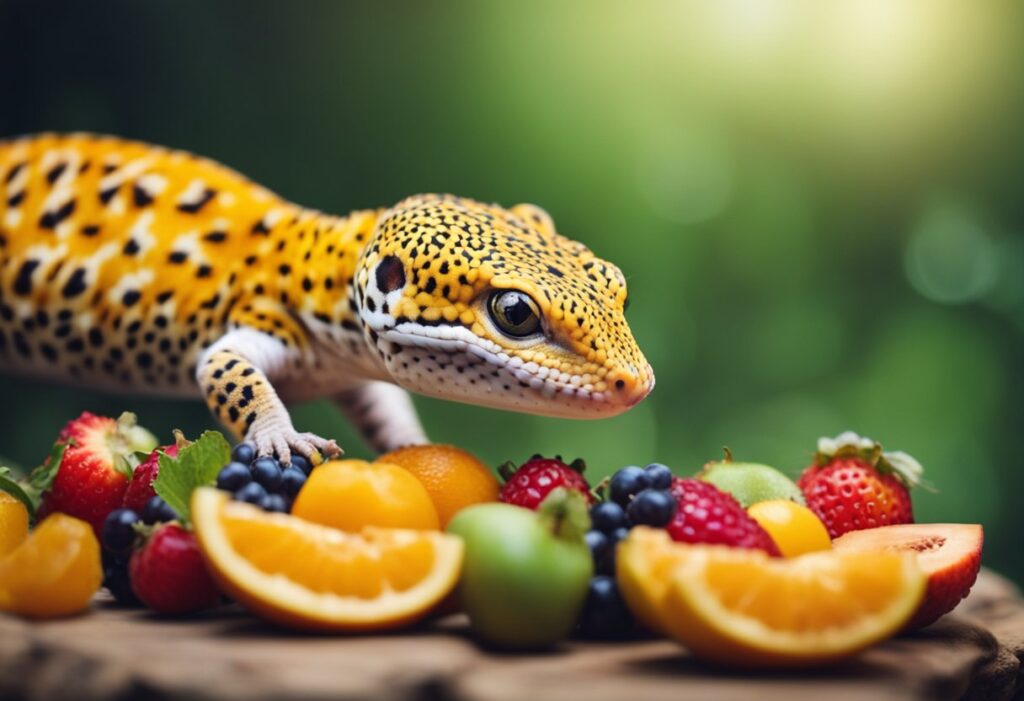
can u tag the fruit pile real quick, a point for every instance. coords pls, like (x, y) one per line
(739, 563)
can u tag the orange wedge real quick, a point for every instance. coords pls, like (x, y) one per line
(309, 576)
(55, 571)
(643, 566)
(743, 608)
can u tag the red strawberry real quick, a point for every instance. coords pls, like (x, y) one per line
(140, 489)
(706, 514)
(854, 485)
(99, 454)
(168, 574)
(949, 553)
(534, 479)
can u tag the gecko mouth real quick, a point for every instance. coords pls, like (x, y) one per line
(453, 363)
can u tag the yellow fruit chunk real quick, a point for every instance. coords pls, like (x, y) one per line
(793, 527)
(353, 494)
(13, 523)
(308, 576)
(453, 478)
(643, 563)
(54, 572)
(742, 608)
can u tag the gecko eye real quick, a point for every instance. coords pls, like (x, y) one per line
(514, 313)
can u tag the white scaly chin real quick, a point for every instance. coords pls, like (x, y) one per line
(452, 363)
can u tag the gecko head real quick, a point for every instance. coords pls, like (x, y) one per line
(476, 303)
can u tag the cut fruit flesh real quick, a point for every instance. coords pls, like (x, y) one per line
(55, 571)
(643, 564)
(948, 553)
(309, 576)
(743, 608)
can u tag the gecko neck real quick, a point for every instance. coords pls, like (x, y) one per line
(314, 257)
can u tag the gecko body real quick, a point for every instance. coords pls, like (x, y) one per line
(132, 267)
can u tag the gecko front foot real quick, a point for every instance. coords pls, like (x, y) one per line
(283, 441)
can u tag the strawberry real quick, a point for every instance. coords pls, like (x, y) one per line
(168, 573)
(537, 477)
(706, 514)
(853, 485)
(95, 466)
(140, 488)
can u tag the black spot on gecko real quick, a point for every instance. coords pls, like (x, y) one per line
(108, 194)
(141, 197)
(50, 220)
(55, 172)
(194, 207)
(131, 297)
(23, 283)
(90, 230)
(131, 247)
(16, 199)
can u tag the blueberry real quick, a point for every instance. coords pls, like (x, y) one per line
(607, 516)
(157, 510)
(605, 614)
(652, 507)
(598, 543)
(118, 532)
(117, 581)
(274, 502)
(292, 480)
(659, 475)
(267, 472)
(619, 534)
(244, 453)
(251, 493)
(301, 463)
(627, 483)
(233, 476)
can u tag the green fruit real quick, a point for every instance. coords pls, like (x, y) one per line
(525, 573)
(750, 482)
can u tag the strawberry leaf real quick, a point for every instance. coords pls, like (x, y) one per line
(196, 465)
(40, 479)
(30, 490)
(11, 486)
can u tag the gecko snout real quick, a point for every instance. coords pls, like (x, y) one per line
(631, 383)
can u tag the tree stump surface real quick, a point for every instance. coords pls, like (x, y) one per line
(112, 654)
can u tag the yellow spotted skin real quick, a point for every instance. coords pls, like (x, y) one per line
(129, 266)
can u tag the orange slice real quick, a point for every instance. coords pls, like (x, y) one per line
(54, 572)
(309, 576)
(643, 564)
(743, 608)
(13, 523)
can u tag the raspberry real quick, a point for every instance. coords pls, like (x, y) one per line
(706, 514)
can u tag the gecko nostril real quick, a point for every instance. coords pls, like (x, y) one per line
(619, 384)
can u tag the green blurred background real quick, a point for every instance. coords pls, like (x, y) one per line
(818, 205)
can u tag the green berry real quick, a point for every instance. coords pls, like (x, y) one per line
(750, 482)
